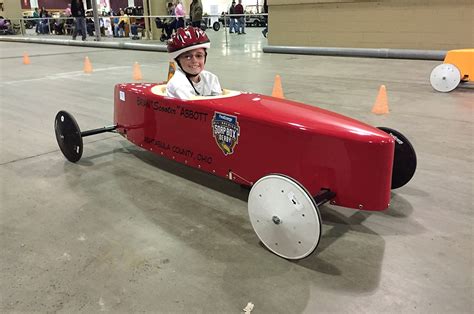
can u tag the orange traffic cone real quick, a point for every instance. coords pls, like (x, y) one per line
(277, 89)
(26, 58)
(87, 65)
(171, 70)
(381, 103)
(137, 72)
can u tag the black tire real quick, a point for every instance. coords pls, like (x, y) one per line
(68, 136)
(216, 26)
(256, 23)
(404, 161)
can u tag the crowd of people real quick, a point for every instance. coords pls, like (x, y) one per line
(75, 20)
(61, 24)
(237, 21)
(176, 16)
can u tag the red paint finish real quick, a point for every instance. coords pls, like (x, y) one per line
(318, 148)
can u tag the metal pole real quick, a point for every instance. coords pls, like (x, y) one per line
(225, 28)
(22, 27)
(359, 52)
(146, 13)
(96, 20)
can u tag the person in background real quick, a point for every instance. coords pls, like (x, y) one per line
(105, 10)
(5, 26)
(265, 10)
(239, 9)
(79, 14)
(115, 18)
(188, 48)
(195, 13)
(233, 21)
(58, 25)
(90, 27)
(108, 31)
(69, 21)
(44, 21)
(36, 19)
(179, 12)
(170, 21)
(119, 28)
(67, 11)
(66, 23)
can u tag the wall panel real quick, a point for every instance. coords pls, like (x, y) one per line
(416, 24)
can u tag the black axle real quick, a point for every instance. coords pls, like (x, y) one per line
(324, 196)
(99, 130)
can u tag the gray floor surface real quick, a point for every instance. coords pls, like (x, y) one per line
(125, 231)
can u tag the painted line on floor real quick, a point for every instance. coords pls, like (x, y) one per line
(65, 75)
(57, 54)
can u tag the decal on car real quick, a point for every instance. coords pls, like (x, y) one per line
(175, 149)
(192, 114)
(155, 105)
(226, 131)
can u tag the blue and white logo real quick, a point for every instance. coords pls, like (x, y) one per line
(226, 131)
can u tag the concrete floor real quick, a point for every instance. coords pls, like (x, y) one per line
(125, 231)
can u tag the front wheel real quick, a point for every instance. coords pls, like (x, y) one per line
(68, 136)
(216, 26)
(284, 216)
(445, 77)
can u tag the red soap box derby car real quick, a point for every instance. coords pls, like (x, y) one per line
(294, 157)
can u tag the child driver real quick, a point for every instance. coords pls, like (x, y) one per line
(188, 48)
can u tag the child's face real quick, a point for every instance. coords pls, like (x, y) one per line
(193, 61)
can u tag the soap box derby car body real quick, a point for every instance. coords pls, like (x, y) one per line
(294, 157)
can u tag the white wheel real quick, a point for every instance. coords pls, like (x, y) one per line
(445, 77)
(284, 216)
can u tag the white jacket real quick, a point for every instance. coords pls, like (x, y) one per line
(180, 87)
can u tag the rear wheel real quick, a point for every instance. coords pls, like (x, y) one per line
(404, 160)
(284, 216)
(216, 26)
